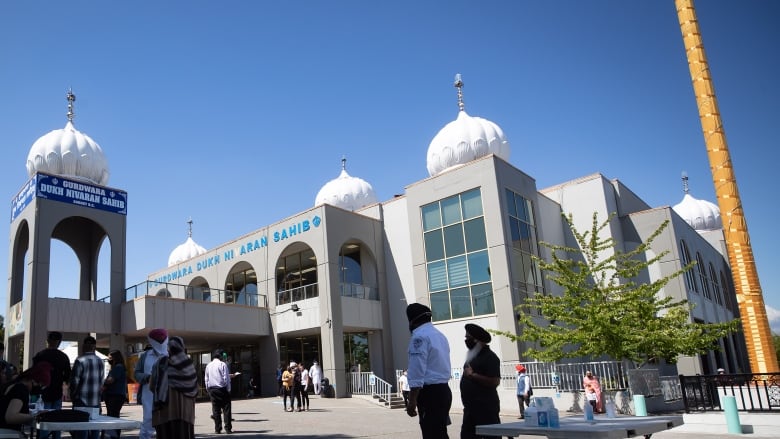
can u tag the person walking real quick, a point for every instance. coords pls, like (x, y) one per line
(315, 372)
(158, 348)
(175, 384)
(429, 374)
(114, 388)
(403, 386)
(481, 377)
(523, 385)
(217, 380)
(85, 382)
(60, 374)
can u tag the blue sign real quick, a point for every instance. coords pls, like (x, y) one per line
(54, 187)
(23, 198)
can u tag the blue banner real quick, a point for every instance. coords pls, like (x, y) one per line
(55, 187)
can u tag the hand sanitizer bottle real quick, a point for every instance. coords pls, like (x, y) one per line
(588, 411)
(552, 418)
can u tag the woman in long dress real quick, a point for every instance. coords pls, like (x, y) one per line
(593, 381)
(175, 385)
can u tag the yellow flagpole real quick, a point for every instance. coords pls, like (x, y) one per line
(752, 310)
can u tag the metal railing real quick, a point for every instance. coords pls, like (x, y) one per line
(297, 294)
(195, 293)
(366, 383)
(754, 392)
(610, 373)
(359, 383)
(359, 291)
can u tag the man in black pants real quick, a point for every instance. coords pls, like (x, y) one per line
(429, 374)
(481, 377)
(217, 381)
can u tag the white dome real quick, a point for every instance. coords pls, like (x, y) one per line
(188, 250)
(702, 215)
(69, 153)
(463, 140)
(346, 192)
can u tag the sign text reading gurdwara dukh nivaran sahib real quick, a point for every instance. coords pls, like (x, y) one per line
(82, 194)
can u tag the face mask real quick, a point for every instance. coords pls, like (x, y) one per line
(470, 343)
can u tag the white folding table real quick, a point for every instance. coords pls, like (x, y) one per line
(576, 426)
(99, 422)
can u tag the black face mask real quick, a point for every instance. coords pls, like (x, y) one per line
(470, 343)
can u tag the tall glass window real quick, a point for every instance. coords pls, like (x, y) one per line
(527, 276)
(705, 287)
(685, 256)
(456, 257)
(715, 285)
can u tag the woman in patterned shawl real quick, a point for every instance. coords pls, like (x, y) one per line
(174, 382)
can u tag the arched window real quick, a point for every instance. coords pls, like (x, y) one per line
(296, 277)
(685, 256)
(241, 287)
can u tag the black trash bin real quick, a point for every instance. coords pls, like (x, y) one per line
(326, 390)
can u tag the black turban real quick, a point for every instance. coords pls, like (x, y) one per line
(478, 333)
(415, 310)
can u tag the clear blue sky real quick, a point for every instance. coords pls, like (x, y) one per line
(236, 113)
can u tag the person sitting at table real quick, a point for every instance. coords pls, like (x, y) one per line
(15, 396)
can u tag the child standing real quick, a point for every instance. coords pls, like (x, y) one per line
(591, 397)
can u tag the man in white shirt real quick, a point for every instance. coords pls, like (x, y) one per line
(315, 372)
(428, 374)
(217, 380)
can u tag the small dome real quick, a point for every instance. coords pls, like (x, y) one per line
(346, 192)
(69, 153)
(702, 215)
(188, 250)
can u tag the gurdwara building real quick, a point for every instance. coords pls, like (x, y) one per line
(331, 283)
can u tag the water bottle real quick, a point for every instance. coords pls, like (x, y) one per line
(610, 409)
(588, 411)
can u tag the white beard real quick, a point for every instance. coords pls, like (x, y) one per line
(473, 352)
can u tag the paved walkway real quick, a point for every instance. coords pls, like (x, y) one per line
(345, 418)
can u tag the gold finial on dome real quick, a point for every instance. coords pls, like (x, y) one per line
(189, 225)
(343, 163)
(71, 98)
(685, 182)
(459, 85)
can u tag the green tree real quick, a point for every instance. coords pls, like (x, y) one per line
(776, 341)
(2, 328)
(604, 310)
